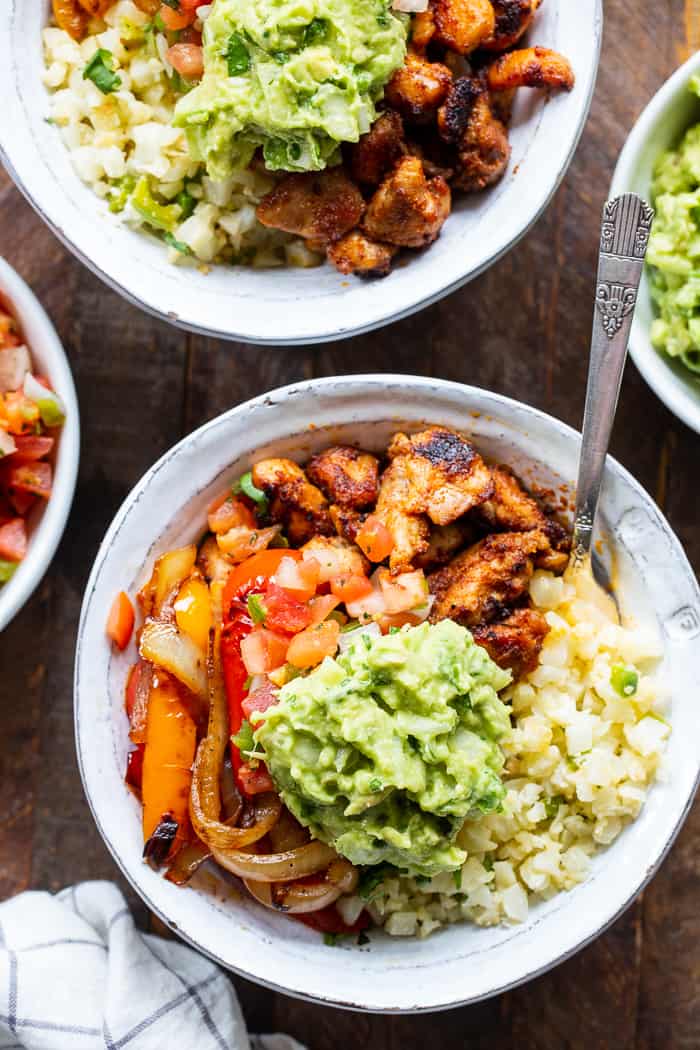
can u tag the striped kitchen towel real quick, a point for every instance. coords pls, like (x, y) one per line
(76, 974)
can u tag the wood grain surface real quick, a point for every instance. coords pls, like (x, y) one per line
(521, 329)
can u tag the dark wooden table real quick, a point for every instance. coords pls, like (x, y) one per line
(522, 329)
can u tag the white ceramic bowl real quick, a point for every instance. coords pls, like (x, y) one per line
(292, 305)
(672, 110)
(462, 963)
(46, 522)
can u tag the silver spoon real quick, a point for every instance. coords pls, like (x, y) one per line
(624, 237)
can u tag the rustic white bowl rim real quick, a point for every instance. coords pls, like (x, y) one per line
(291, 306)
(659, 127)
(463, 963)
(46, 527)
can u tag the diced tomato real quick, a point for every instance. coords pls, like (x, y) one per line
(228, 513)
(190, 35)
(373, 604)
(328, 920)
(134, 768)
(30, 477)
(322, 606)
(253, 781)
(22, 501)
(375, 539)
(314, 644)
(407, 590)
(235, 676)
(263, 650)
(299, 577)
(31, 447)
(350, 588)
(13, 540)
(120, 622)
(260, 699)
(284, 612)
(253, 571)
(187, 59)
(174, 20)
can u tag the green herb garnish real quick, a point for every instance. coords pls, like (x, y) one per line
(624, 680)
(256, 608)
(179, 246)
(375, 785)
(246, 486)
(331, 940)
(100, 70)
(552, 804)
(370, 881)
(457, 878)
(237, 56)
(243, 739)
(315, 31)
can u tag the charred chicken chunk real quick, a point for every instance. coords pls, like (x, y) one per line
(357, 253)
(336, 556)
(422, 29)
(445, 541)
(346, 475)
(446, 475)
(482, 583)
(513, 18)
(294, 502)
(516, 642)
(463, 25)
(410, 532)
(320, 206)
(511, 509)
(418, 88)
(483, 150)
(346, 521)
(408, 210)
(378, 151)
(536, 67)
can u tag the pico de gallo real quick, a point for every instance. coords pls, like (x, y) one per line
(31, 415)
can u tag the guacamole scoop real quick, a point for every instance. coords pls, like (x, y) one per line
(296, 77)
(673, 255)
(384, 752)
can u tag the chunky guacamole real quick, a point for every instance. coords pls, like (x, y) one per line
(674, 249)
(386, 750)
(297, 77)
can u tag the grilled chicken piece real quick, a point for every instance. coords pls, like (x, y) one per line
(445, 541)
(378, 151)
(513, 19)
(214, 565)
(446, 475)
(418, 88)
(356, 253)
(346, 475)
(485, 581)
(511, 509)
(463, 25)
(320, 206)
(294, 501)
(516, 642)
(411, 532)
(408, 210)
(483, 150)
(422, 29)
(536, 67)
(336, 556)
(347, 522)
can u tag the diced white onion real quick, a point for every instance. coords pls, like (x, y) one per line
(36, 391)
(350, 909)
(348, 638)
(410, 7)
(422, 612)
(7, 444)
(15, 362)
(203, 12)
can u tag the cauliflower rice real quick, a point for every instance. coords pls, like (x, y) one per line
(117, 139)
(579, 762)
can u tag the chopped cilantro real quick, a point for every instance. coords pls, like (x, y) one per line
(315, 31)
(256, 608)
(367, 641)
(375, 785)
(243, 739)
(552, 804)
(246, 486)
(179, 246)
(237, 56)
(100, 70)
(457, 878)
(331, 939)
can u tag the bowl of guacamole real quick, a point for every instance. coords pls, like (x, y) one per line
(295, 78)
(385, 751)
(661, 162)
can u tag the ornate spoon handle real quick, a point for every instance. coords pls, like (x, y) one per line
(623, 243)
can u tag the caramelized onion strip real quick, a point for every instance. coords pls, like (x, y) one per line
(277, 867)
(297, 898)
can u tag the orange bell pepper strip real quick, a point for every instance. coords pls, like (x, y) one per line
(171, 740)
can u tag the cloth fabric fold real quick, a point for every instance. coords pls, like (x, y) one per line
(76, 974)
